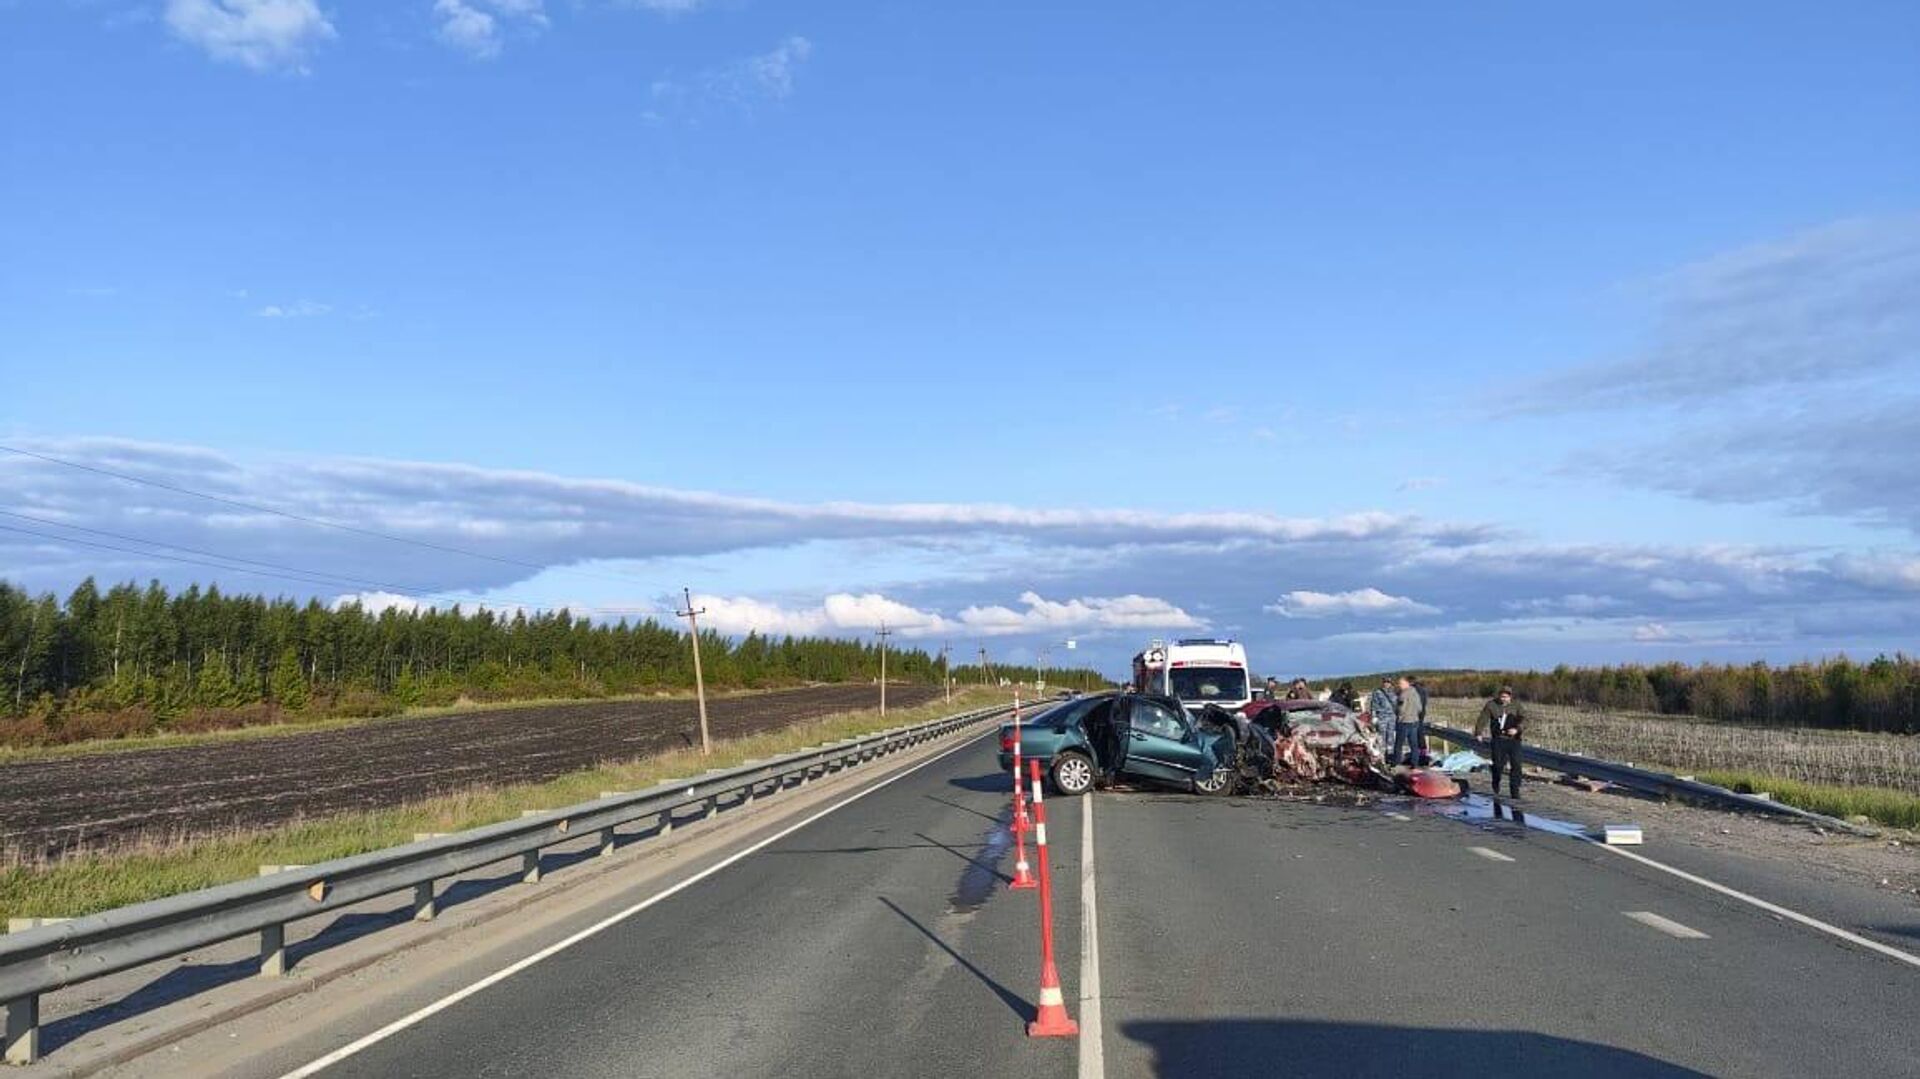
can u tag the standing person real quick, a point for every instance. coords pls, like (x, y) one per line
(1385, 711)
(1299, 691)
(1273, 688)
(1505, 722)
(1411, 719)
(1346, 697)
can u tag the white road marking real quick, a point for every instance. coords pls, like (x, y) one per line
(1665, 925)
(1490, 855)
(1771, 908)
(1399, 816)
(398, 1025)
(1093, 1063)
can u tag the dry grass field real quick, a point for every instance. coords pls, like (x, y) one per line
(1842, 773)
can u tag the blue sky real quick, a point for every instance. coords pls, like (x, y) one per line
(1373, 334)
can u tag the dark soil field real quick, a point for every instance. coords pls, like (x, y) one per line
(51, 807)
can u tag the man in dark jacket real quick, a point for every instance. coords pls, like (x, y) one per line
(1505, 721)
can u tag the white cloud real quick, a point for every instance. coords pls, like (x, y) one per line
(476, 27)
(1090, 614)
(1420, 483)
(1654, 633)
(738, 86)
(1827, 305)
(843, 613)
(1571, 603)
(1878, 570)
(296, 309)
(1675, 589)
(265, 35)
(1368, 602)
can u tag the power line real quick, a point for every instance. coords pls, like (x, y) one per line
(307, 577)
(318, 522)
(407, 590)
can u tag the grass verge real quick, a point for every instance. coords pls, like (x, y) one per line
(1895, 809)
(83, 884)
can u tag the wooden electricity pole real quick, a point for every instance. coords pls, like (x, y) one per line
(946, 679)
(883, 634)
(699, 681)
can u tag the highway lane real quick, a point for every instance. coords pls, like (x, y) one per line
(1236, 936)
(1322, 941)
(880, 940)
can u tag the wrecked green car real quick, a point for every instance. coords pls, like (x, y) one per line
(1094, 740)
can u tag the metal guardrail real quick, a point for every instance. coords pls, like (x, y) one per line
(59, 955)
(1662, 784)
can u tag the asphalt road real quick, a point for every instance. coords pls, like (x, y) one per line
(1235, 937)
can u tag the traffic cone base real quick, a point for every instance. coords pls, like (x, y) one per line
(1053, 1020)
(1022, 877)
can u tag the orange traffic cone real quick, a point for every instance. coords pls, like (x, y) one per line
(1022, 873)
(1052, 1020)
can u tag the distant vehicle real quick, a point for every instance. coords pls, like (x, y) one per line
(1135, 735)
(1196, 672)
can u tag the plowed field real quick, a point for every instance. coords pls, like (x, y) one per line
(50, 807)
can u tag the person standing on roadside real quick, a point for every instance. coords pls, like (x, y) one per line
(1410, 723)
(1273, 688)
(1299, 690)
(1385, 711)
(1505, 721)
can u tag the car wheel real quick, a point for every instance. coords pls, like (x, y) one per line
(1072, 774)
(1220, 782)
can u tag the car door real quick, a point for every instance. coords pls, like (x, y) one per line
(1159, 742)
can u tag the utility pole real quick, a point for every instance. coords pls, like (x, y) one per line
(1040, 674)
(883, 634)
(986, 672)
(699, 682)
(946, 679)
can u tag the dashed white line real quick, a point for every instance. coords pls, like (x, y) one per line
(1771, 908)
(448, 1001)
(1399, 816)
(1490, 855)
(1665, 925)
(1093, 1064)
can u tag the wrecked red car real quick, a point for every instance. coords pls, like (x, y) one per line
(1286, 743)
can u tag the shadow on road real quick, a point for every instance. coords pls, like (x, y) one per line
(970, 809)
(992, 783)
(1013, 1000)
(1308, 1048)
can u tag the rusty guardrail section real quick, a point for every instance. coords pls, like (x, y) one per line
(62, 954)
(1662, 784)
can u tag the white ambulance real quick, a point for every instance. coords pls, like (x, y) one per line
(1196, 672)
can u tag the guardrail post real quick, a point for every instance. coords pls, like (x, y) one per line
(712, 805)
(530, 867)
(666, 822)
(23, 1030)
(425, 906)
(606, 841)
(273, 951)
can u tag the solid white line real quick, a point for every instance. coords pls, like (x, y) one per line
(1771, 908)
(1490, 855)
(1665, 925)
(1093, 1062)
(604, 924)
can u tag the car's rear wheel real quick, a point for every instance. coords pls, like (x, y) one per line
(1072, 773)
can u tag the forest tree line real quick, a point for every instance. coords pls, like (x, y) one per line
(1881, 695)
(132, 660)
